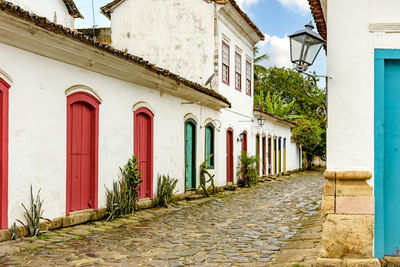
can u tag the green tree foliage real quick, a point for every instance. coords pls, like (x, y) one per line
(259, 70)
(247, 173)
(273, 104)
(284, 86)
(291, 86)
(310, 135)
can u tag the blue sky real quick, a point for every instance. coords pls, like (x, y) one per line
(275, 18)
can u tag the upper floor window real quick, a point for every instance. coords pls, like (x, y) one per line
(238, 71)
(225, 63)
(248, 77)
(210, 145)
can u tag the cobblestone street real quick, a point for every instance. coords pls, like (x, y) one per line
(244, 228)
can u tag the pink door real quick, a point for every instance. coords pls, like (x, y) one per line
(82, 154)
(3, 154)
(244, 142)
(229, 156)
(143, 150)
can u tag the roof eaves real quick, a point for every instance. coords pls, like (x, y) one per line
(275, 117)
(244, 16)
(318, 14)
(72, 9)
(108, 8)
(44, 23)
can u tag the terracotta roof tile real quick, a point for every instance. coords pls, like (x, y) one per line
(318, 15)
(275, 117)
(42, 22)
(72, 9)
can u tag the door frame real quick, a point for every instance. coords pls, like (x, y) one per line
(233, 155)
(4, 89)
(258, 153)
(95, 104)
(194, 152)
(380, 55)
(149, 113)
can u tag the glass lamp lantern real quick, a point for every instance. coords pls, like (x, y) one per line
(305, 45)
(260, 121)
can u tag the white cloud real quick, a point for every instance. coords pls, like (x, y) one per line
(300, 6)
(246, 3)
(278, 50)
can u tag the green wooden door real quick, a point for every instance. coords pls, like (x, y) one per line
(190, 155)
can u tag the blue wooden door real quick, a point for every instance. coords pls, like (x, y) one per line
(190, 155)
(391, 178)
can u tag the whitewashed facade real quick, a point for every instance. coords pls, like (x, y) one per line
(361, 195)
(43, 66)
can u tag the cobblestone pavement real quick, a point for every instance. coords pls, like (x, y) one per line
(243, 228)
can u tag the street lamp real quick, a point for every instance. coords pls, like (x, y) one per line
(305, 45)
(260, 121)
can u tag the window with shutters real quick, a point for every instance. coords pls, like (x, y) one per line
(238, 71)
(248, 77)
(210, 145)
(225, 63)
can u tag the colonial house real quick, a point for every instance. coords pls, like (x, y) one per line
(362, 193)
(74, 109)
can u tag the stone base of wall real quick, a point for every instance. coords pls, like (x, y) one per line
(348, 220)
(328, 262)
(74, 218)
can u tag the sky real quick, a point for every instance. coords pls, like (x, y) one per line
(275, 18)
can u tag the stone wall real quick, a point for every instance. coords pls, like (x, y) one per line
(348, 220)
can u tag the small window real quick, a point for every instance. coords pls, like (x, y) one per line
(238, 71)
(248, 78)
(225, 63)
(210, 145)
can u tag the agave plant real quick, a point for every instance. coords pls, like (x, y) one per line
(121, 200)
(165, 190)
(33, 215)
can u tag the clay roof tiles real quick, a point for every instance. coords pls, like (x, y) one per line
(317, 12)
(72, 9)
(44, 23)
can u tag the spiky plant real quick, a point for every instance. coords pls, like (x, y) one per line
(33, 215)
(247, 173)
(121, 200)
(165, 190)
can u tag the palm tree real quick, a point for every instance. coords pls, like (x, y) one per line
(258, 68)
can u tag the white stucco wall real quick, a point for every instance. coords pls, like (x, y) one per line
(241, 102)
(174, 34)
(37, 133)
(351, 45)
(54, 10)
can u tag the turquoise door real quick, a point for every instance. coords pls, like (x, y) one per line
(190, 154)
(391, 145)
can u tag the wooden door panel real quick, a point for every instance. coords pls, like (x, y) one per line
(229, 156)
(75, 182)
(87, 130)
(76, 128)
(86, 178)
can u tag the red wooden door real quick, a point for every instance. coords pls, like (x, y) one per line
(82, 156)
(264, 160)
(244, 142)
(143, 149)
(229, 156)
(269, 157)
(82, 151)
(4, 154)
